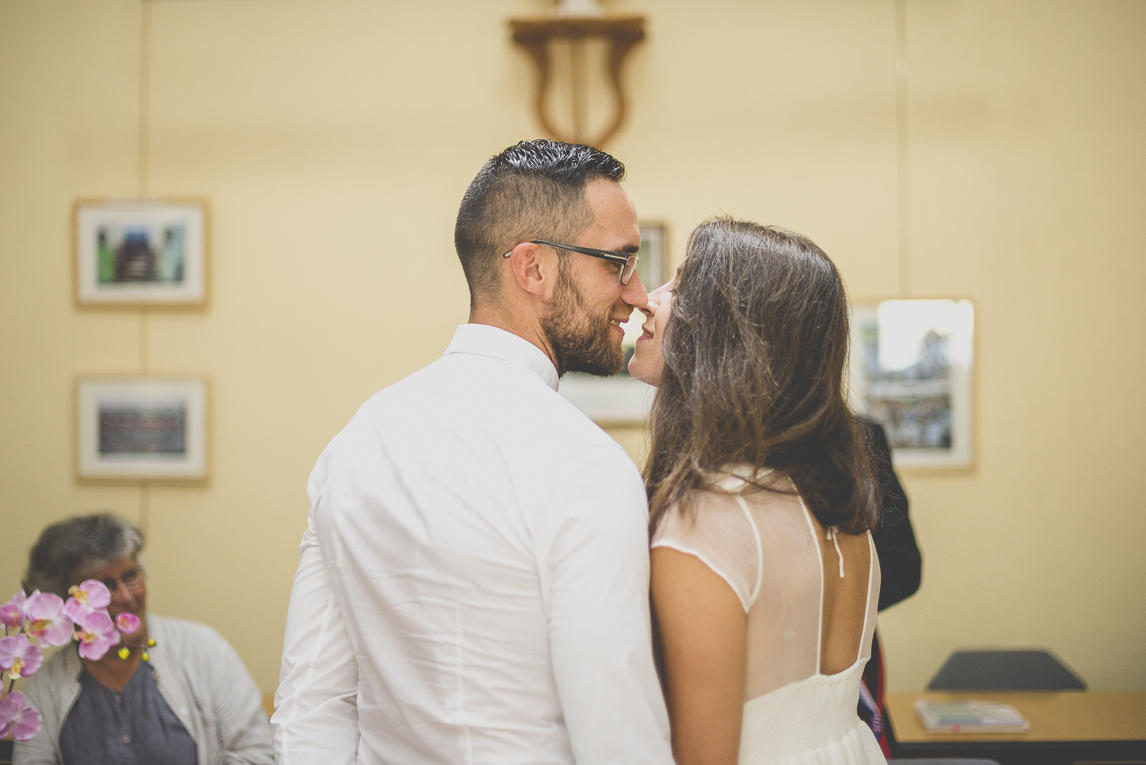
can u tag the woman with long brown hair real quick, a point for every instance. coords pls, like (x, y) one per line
(764, 574)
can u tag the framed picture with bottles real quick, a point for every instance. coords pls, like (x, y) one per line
(145, 251)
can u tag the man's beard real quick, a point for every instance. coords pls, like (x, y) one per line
(580, 341)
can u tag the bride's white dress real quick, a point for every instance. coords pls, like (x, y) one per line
(774, 554)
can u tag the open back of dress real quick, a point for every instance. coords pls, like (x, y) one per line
(800, 624)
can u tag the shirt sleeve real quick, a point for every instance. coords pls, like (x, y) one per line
(43, 749)
(720, 532)
(591, 542)
(244, 736)
(316, 705)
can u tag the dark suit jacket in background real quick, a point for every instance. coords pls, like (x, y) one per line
(900, 567)
(900, 563)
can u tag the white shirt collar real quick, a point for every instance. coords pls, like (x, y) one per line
(486, 340)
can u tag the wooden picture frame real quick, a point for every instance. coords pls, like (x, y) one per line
(140, 251)
(142, 428)
(911, 371)
(623, 399)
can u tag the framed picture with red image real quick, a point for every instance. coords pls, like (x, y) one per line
(141, 428)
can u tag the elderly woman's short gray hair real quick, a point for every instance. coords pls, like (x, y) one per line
(70, 549)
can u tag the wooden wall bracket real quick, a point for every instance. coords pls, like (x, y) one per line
(535, 35)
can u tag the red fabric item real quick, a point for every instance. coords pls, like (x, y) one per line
(874, 681)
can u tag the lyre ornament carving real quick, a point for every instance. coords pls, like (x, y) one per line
(536, 36)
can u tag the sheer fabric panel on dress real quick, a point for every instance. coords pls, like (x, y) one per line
(720, 532)
(771, 551)
(784, 623)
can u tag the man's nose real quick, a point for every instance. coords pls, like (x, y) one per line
(635, 294)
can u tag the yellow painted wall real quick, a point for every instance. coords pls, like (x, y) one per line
(334, 139)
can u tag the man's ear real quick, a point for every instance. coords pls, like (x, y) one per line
(533, 269)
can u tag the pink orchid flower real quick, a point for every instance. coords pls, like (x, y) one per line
(17, 719)
(46, 620)
(90, 595)
(127, 622)
(10, 615)
(97, 634)
(18, 657)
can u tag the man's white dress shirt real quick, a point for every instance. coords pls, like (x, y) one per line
(473, 582)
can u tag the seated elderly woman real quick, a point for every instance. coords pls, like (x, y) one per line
(179, 694)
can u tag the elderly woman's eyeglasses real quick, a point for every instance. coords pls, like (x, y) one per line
(626, 261)
(131, 579)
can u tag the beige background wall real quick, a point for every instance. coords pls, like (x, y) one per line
(1006, 163)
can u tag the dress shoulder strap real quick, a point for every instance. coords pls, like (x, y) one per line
(820, 568)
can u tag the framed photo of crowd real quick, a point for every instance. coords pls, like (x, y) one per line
(623, 399)
(145, 428)
(911, 371)
(140, 251)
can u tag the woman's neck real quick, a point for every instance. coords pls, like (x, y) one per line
(114, 673)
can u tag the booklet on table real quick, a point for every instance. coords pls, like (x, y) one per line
(970, 717)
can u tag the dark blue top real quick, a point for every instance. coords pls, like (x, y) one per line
(132, 727)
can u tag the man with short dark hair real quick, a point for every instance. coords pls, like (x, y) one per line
(567, 192)
(473, 582)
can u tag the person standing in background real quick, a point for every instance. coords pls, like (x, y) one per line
(901, 565)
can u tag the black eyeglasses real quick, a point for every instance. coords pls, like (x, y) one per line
(627, 261)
